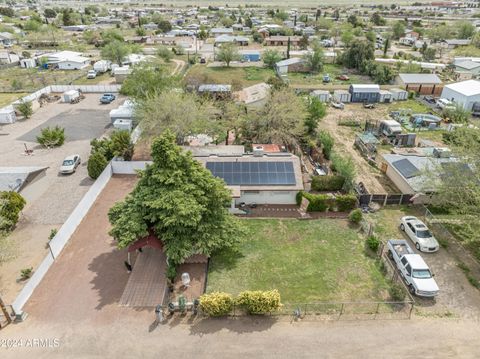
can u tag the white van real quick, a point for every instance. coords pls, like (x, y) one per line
(443, 103)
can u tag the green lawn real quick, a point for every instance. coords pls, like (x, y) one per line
(333, 71)
(412, 105)
(7, 98)
(307, 261)
(243, 76)
(100, 77)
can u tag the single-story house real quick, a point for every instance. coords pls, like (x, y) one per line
(464, 93)
(454, 43)
(294, 64)
(262, 178)
(8, 57)
(67, 60)
(228, 39)
(218, 31)
(424, 84)
(414, 174)
(468, 66)
(364, 93)
(282, 41)
(21, 179)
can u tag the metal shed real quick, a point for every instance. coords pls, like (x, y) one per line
(322, 95)
(365, 93)
(399, 94)
(342, 96)
(7, 115)
(385, 96)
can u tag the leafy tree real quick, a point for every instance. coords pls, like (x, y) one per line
(25, 108)
(146, 80)
(7, 11)
(345, 167)
(228, 53)
(371, 36)
(181, 202)
(465, 29)
(428, 53)
(165, 53)
(380, 73)
(316, 110)
(281, 15)
(276, 83)
(140, 31)
(51, 136)
(164, 26)
(11, 204)
(278, 121)
(271, 57)
(398, 29)
(352, 19)
(181, 113)
(377, 19)
(303, 43)
(112, 35)
(116, 51)
(441, 32)
(202, 34)
(96, 164)
(457, 114)
(92, 37)
(326, 141)
(32, 25)
(49, 13)
(357, 55)
(248, 22)
(67, 17)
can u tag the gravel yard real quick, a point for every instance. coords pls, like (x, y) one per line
(52, 198)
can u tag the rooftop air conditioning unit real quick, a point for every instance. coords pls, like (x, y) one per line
(258, 151)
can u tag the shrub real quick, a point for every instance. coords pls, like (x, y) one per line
(397, 292)
(11, 204)
(52, 137)
(355, 216)
(327, 183)
(344, 166)
(26, 273)
(346, 202)
(171, 272)
(121, 145)
(165, 53)
(53, 233)
(373, 243)
(259, 302)
(216, 304)
(96, 164)
(25, 108)
(318, 202)
(326, 140)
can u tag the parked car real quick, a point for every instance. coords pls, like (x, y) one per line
(70, 164)
(419, 233)
(326, 78)
(91, 74)
(203, 60)
(430, 99)
(412, 268)
(107, 98)
(339, 105)
(343, 78)
(368, 105)
(443, 103)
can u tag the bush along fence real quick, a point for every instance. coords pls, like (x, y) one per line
(327, 202)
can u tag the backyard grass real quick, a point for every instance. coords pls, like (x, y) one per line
(7, 98)
(242, 76)
(412, 105)
(333, 71)
(100, 77)
(307, 261)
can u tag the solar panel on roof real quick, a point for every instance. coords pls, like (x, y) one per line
(406, 168)
(254, 173)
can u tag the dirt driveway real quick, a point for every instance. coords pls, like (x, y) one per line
(51, 199)
(457, 297)
(374, 180)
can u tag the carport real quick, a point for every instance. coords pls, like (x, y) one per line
(147, 284)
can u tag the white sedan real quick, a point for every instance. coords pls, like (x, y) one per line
(70, 164)
(419, 233)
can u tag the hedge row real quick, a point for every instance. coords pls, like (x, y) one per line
(327, 183)
(323, 202)
(218, 304)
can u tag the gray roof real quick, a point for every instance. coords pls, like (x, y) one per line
(468, 65)
(15, 178)
(293, 60)
(365, 88)
(420, 79)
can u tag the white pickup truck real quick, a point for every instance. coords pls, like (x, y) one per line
(412, 268)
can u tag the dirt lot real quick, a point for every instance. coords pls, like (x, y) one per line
(374, 180)
(457, 297)
(51, 199)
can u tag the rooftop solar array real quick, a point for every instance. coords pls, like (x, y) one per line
(406, 168)
(254, 173)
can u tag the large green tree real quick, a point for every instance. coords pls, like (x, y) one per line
(115, 51)
(358, 54)
(181, 202)
(314, 59)
(271, 57)
(228, 53)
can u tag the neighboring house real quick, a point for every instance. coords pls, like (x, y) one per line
(6, 38)
(464, 93)
(218, 31)
(295, 64)
(414, 174)
(454, 43)
(78, 28)
(67, 60)
(22, 179)
(216, 91)
(250, 55)
(412, 35)
(228, 39)
(8, 58)
(262, 178)
(308, 31)
(468, 66)
(282, 41)
(424, 84)
(407, 41)
(165, 40)
(364, 93)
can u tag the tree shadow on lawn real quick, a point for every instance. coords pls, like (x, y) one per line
(244, 324)
(225, 259)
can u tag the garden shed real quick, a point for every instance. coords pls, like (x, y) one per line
(365, 93)
(7, 115)
(399, 94)
(322, 95)
(385, 96)
(342, 96)
(69, 96)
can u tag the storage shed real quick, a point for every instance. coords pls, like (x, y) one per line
(70, 95)
(7, 115)
(342, 96)
(250, 55)
(121, 113)
(322, 95)
(424, 84)
(399, 94)
(123, 124)
(365, 93)
(464, 93)
(385, 96)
